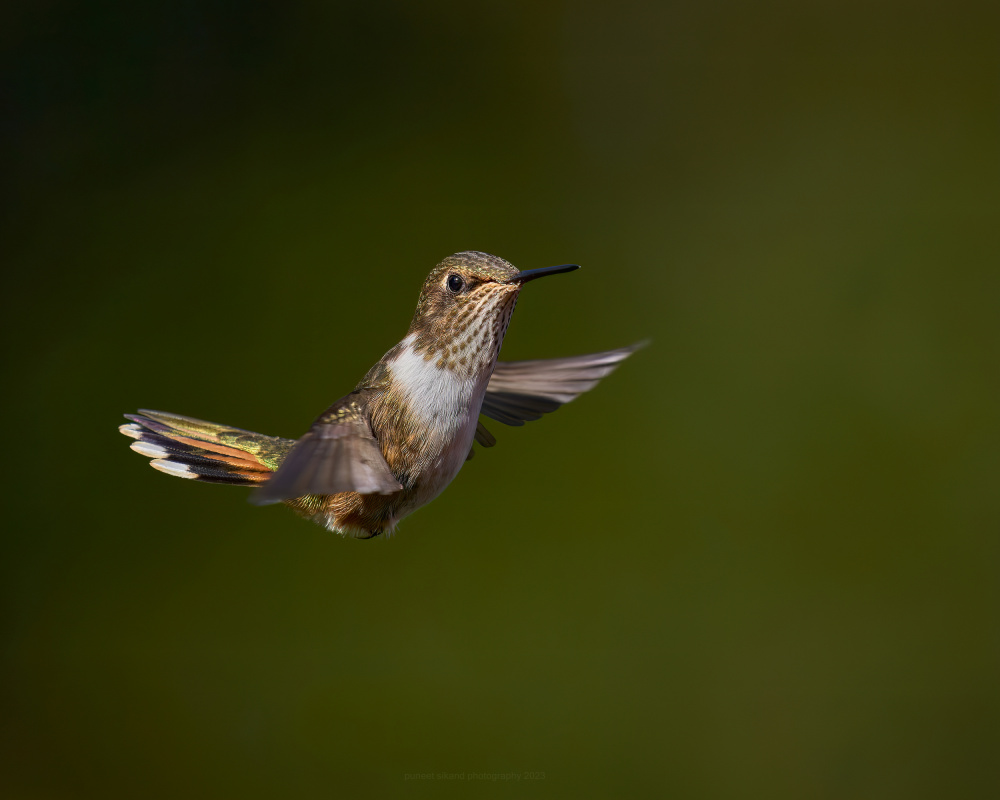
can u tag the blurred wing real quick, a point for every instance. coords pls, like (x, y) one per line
(338, 454)
(521, 391)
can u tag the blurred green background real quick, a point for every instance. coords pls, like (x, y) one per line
(760, 560)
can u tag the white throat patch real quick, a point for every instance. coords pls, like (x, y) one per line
(436, 395)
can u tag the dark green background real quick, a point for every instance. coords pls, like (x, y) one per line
(760, 560)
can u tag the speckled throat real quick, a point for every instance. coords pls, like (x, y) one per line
(463, 332)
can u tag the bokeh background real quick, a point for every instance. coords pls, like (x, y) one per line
(760, 560)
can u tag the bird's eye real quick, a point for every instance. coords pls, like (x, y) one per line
(455, 284)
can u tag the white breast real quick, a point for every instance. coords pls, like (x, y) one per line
(435, 395)
(447, 404)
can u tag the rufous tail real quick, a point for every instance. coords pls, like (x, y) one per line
(205, 451)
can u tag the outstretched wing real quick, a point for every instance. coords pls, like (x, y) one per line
(338, 454)
(521, 391)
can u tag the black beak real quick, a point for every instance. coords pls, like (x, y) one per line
(530, 274)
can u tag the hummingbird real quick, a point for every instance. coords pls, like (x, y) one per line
(394, 443)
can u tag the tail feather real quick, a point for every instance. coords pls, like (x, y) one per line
(205, 451)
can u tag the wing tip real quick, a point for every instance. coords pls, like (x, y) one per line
(259, 497)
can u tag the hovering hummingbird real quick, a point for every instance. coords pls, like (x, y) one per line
(396, 441)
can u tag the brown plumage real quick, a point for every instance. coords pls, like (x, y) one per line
(397, 440)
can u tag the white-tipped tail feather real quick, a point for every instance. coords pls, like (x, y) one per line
(149, 450)
(198, 450)
(131, 430)
(171, 468)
